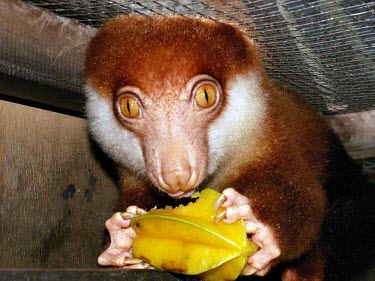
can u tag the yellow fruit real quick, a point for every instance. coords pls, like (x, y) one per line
(187, 240)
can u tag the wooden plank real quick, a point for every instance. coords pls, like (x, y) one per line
(120, 275)
(25, 91)
(54, 195)
(88, 275)
(356, 130)
(363, 154)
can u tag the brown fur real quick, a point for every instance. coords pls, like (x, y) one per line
(285, 181)
(309, 268)
(119, 54)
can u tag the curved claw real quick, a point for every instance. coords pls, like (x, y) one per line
(220, 201)
(128, 216)
(221, 216)
(131, 261)
(248, 270)
(135, 210)
(142, 265)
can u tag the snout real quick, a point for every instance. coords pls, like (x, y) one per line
(177, 170)
(176, 157)
(178, 181)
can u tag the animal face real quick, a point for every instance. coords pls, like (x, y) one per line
(173, 96)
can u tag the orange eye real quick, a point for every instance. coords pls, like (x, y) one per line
(205, 96)
(129, 107)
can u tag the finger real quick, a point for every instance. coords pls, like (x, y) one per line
(136, 210)
(236, 212)
(234, 198)
(261, 259)
(113, 257)
(116, 222)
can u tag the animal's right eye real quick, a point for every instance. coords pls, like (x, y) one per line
(205, 96)
(129, 107)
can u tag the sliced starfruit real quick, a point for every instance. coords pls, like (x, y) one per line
(187, 240)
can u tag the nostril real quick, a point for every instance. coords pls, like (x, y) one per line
(178, 180)
(163, 184)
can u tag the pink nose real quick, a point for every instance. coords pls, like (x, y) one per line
(178, 182)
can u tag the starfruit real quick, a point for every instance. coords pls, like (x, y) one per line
(187, 240)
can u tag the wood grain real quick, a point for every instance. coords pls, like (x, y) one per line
(54, 196)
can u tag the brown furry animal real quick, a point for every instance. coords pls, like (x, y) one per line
(182, 103)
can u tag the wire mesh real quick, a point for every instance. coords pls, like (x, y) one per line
(323, 49)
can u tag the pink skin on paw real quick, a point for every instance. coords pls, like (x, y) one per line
(238, 207)
(119, 252)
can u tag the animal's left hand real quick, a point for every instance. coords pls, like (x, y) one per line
(238, 207)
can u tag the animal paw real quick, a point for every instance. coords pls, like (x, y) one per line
(119, 252)
(237, 207)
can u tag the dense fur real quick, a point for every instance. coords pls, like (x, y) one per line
(128, 51)
(264, 141)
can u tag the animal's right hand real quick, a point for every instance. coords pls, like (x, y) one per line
(119, 252)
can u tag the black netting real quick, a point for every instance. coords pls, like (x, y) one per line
(324, 49)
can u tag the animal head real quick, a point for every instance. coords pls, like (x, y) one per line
(173, 96)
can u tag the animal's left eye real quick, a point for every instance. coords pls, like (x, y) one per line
(206, 95)
(129, 107)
